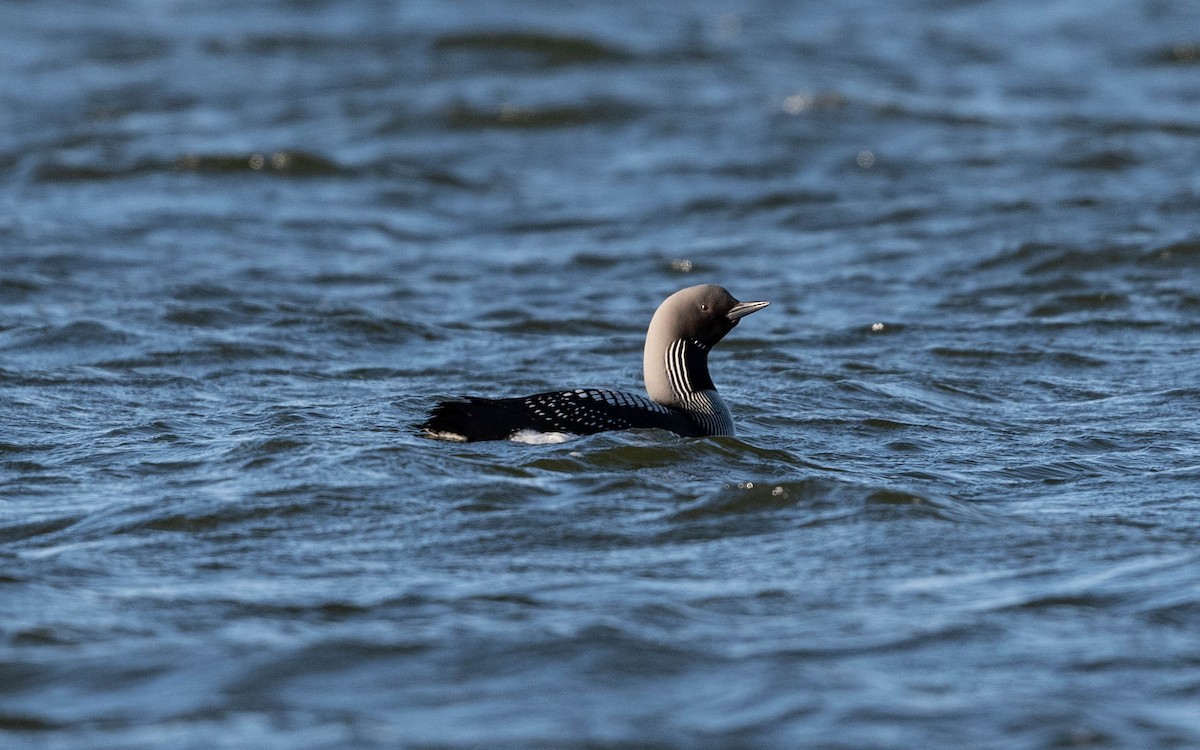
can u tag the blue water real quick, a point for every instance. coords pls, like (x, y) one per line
(244, 247)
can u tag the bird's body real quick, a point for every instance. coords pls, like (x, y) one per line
(682, 399)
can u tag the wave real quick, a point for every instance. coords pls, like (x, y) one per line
(1043, 259)
(597, 111)
(508, 49)
(282, 163)
(819, 501)
(67, 336)
(286, 163)
(1156, 586)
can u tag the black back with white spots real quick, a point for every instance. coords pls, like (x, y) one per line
(582, 411)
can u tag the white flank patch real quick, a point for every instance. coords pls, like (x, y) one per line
(534, 437)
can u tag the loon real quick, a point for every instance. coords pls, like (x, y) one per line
(682, 399)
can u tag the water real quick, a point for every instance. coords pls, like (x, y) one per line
(247, 245)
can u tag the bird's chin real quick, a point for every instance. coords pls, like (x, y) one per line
(715, 339)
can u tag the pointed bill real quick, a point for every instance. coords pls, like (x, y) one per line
(742, 309)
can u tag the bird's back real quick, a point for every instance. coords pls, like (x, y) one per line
(582, 411)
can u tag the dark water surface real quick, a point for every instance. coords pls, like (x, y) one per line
(243, 246)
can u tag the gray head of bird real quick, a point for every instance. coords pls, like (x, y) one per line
(703, 314)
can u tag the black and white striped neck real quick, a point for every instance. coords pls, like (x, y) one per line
(685, 370)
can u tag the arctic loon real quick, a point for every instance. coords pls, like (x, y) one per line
(683, 398)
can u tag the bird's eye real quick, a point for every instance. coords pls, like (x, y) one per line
(703, 307)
